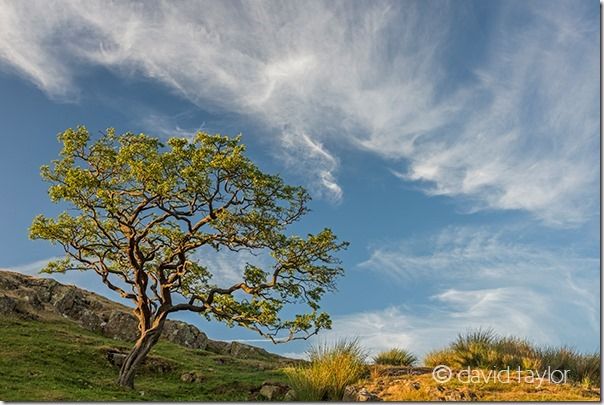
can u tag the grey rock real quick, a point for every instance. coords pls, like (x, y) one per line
(273, 390)
(365, 396)
(8, 305)
(352, 394)
(185, 335)
(192, 377)
(91, 321)
(116, 358)
(216, 346)
(70, 302)
(121, 325)
(290, 396)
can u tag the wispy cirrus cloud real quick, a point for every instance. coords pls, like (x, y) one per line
(477, 277)
(528, 137)
(520, 133)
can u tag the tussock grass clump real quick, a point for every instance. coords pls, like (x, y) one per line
(584, 368)
(396, 357)
(446, 357)
(331, 369)
(473, 349)
(485, 349)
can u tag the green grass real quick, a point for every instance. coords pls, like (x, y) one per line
(59, 361)
(395, 357)
(331, 369)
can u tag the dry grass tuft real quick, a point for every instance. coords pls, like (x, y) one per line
(331, 369)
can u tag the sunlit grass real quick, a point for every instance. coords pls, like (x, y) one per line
(396, 357)
(331, 369)
(484, 349)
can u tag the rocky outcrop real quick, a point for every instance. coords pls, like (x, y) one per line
(33, 297)
(237, 349)
(154, 364)
(186, 335)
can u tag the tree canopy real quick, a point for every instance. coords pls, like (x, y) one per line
(139, 209)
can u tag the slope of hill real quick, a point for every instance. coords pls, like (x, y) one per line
(46, 299)
(59, 342)
(42, 360)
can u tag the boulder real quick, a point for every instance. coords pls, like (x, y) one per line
(70, 303)
(365, 396)
(185, 335)
(192, 377)
(152, 363)
(116, 358)
(236, 349)
(290, 396)
(352, 394)
(121, 325)
(273, 390)
(216, 346)
(8, 305)
(91, 321)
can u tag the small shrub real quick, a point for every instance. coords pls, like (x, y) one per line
(395, 357)
(331, 369)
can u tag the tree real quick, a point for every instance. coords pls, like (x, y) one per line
(140, 209)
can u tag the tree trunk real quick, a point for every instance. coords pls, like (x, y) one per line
(138, 354)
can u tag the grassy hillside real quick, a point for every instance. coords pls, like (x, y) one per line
(58, 360)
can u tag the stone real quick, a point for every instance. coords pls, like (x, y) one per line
(159, 365)
(365, 396)
(116, 358)
(273, 390)
(352, 394)
(290, 396)
(121, 325)
(8, 305)
(154, 364)
(216, 346)
(192, 377)
(33, 300)
(243, 351)
(185, 335)
(91, 321)
(69, 302)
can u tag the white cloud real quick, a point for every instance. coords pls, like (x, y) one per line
(318, 75)
(33, 268)
(167, 127)
(475, 277)
(529, 136)
(226, 266)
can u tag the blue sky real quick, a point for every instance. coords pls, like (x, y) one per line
(455, 145)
